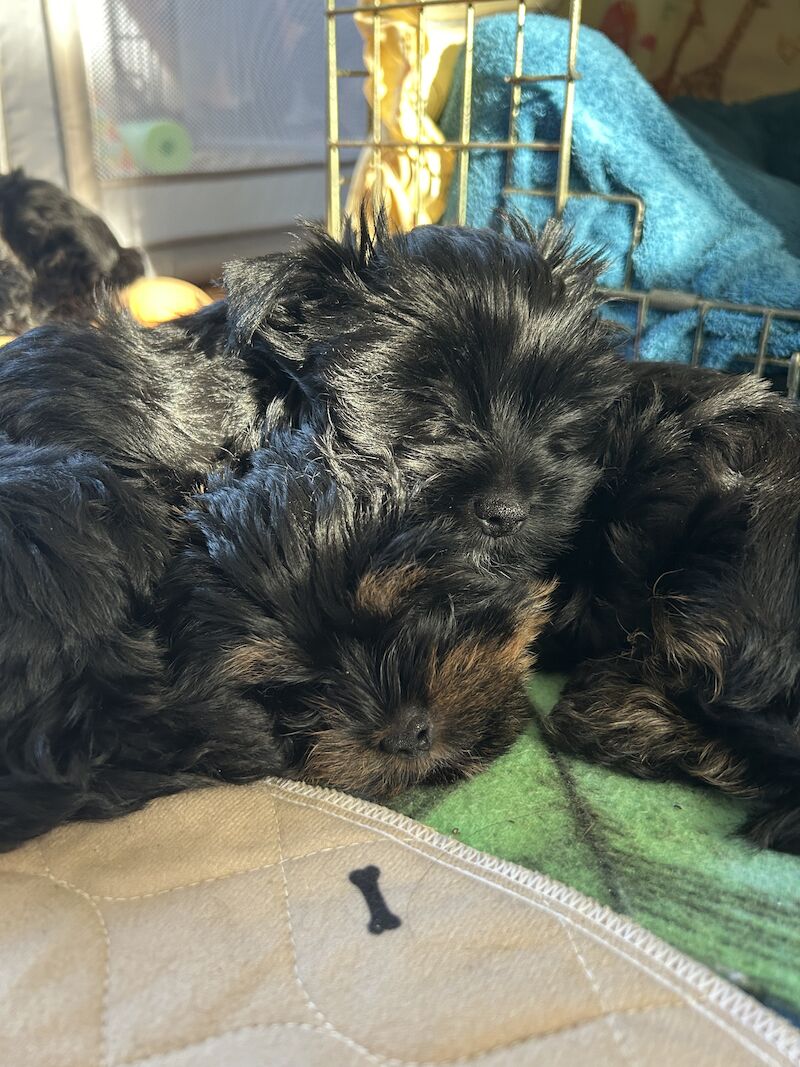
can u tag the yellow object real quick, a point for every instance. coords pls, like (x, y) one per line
(416, 56)
(155, 300)
(6, 337)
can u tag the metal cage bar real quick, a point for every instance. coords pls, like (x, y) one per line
(516, 92)
(697, 344)
(418, 153)
(466, 114)
(377, 123)
(793, 376)
(375, 141)
(565, 140)
(538, 146)
(763, 339)
(334, 181)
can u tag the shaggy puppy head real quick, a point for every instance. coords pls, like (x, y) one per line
(70, 252)
(313, 611)
(417, 693)
(477, 360)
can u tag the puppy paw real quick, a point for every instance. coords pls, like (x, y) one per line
(610, 716)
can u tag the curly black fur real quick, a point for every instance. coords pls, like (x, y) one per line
(16, 292)
(324, 633)
(665, 500)
(82, 549)
(105, 431)
(682, 586)
(308, 629)
(474, 366)
(166, 403)
(68, 254)
(476, 360)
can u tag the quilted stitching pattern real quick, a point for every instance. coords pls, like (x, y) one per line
(221, 927)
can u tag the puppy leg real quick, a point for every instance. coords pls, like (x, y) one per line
(610, 714)
(733, 655)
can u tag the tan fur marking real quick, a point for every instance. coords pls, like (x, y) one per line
(641, 730)
(472, 674)
(533, 615)
(382, 592)
(473, 679)
(260, 659)
(476, 671)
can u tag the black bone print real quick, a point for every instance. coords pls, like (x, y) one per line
(380, 918)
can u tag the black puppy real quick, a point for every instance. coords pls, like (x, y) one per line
(105, 430)
(325, 634)
(310, 631)
(165, 404)
(67, 252)
(477, 361)
(665, 501)
(82, 549)
(682, 593)
(16, 293)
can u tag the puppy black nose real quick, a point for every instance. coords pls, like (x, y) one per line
(499, 515)
(409, 735)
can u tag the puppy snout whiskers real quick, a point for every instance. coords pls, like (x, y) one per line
(499, 515)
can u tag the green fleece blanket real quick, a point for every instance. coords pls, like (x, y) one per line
(666, 854)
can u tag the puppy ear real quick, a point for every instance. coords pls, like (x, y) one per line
(290, 298)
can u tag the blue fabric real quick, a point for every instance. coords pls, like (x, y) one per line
(753, 148)
(700, 235)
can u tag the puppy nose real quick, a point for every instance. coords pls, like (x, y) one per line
(409, 735)
(499, 515)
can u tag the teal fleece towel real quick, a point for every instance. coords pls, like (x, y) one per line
(699, 236)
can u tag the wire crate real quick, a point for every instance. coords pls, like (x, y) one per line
(375, 142)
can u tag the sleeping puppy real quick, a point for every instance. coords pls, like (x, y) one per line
(682, 594)
(308, 628)
(104, 431)
(325, 634)
(666, 503)
(476, 361)
(68, 251)
(164, 404)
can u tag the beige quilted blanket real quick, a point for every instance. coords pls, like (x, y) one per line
(223, 927)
